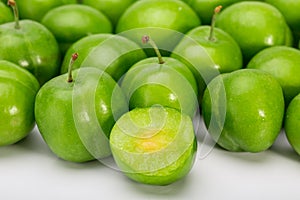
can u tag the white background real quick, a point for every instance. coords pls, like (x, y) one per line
(29, 170)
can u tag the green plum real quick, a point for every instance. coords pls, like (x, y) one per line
(205, 8)
(252, 103)
(154, 145)
(208, 51)
(18, 89)
(170, 14)
(112, 53)
(5, 14)
(76, 111)
(113, 9)
(284, 64)
(70, 23)
(161, 81)
(157, 18)
(30, 45)
(36, 9)
(290, 10)
(292, 123)
(255, 26)
(170, 84)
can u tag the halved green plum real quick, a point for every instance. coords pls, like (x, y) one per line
(154, 145)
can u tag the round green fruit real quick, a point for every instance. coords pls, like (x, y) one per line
(255, 26)
(75, 117)
(205, 8)
(292, 123)
(290, 10)
(5, 14)
(154, 145)
(170, 84)
(36, 9)
(157, 18)
(70, 23)
(284, 64)
(112, 53)
(18, 89)
(113, 9)
(208, 56)
(32, 46)
(253, 106)
(170, 14)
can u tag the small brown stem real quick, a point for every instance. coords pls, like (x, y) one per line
(13, 5)
(72, 60)
(213, 22)
(146, 39)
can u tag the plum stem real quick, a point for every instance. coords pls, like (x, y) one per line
(13, 4)
(146, 39)
(71, 63)
(213, 22)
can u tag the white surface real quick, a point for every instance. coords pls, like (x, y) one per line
(28, 170)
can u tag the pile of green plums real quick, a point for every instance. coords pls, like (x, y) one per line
(128, 79)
